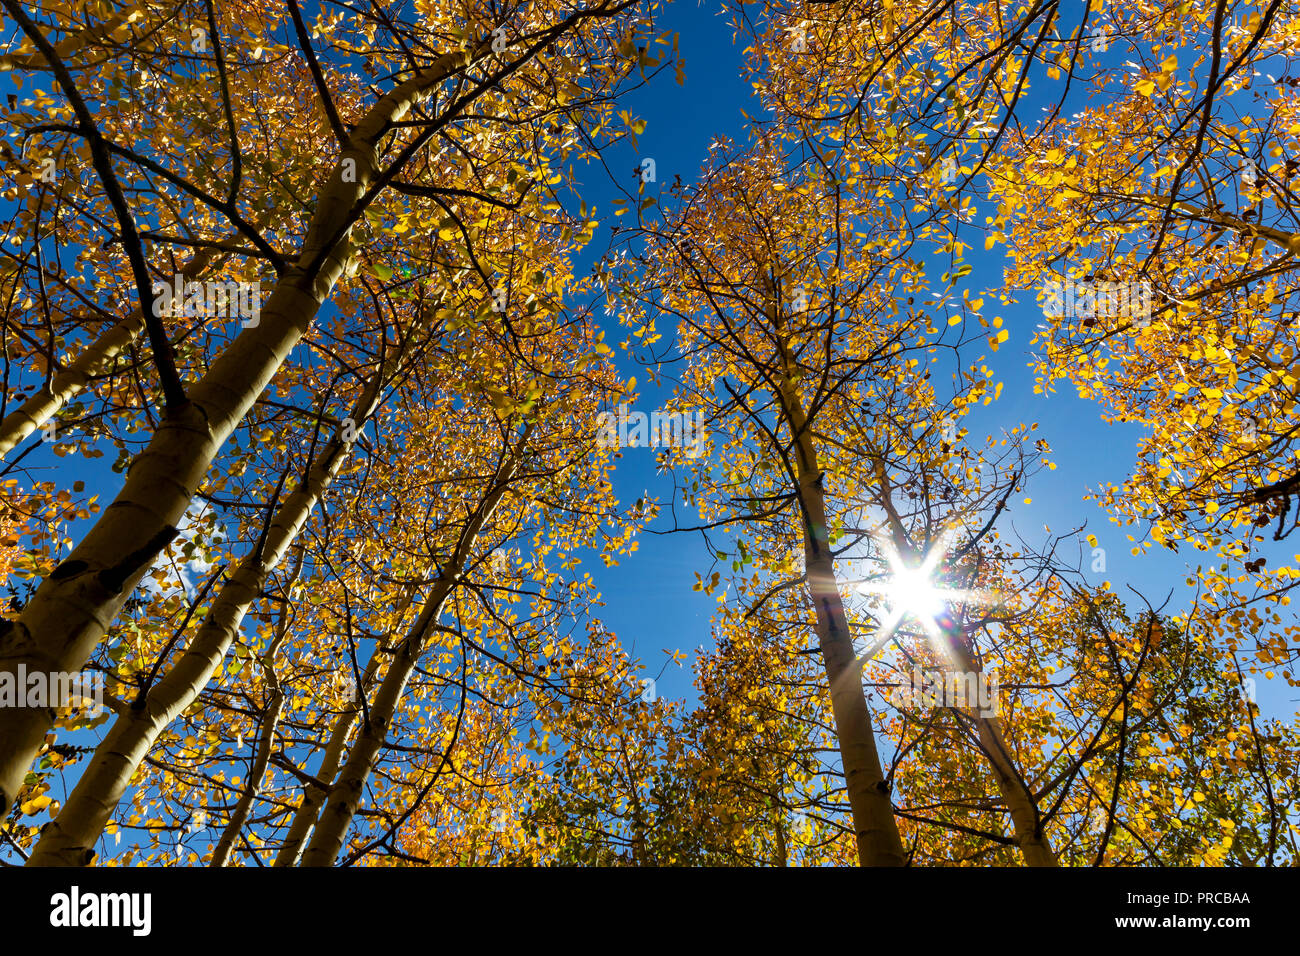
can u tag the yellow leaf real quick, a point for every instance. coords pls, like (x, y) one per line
(36, 804)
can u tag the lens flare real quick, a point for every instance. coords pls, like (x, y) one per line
(911, 591)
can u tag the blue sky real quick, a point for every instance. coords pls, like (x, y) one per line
(649, 599)
(650, 604)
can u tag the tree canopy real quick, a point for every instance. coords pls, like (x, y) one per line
(321, 434)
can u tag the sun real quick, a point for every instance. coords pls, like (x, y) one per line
(911, 591)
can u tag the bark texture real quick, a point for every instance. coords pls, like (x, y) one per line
(98, 357)
(69, 839)
(346, 794)
(879, 843)
(69, 613)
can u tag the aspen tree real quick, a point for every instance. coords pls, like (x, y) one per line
(64, 620)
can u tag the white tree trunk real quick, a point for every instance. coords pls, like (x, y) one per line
(67, 617)
(70, 838)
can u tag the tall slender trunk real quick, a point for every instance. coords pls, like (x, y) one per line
(879, 843)
(252, 786)
(1026, 821)
(304, 817)
(782, 850)
(345, 795)
(69, 839)
(46, 401)
(640, 852)
(265, 739)
(1025, 818)
(69, 613)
